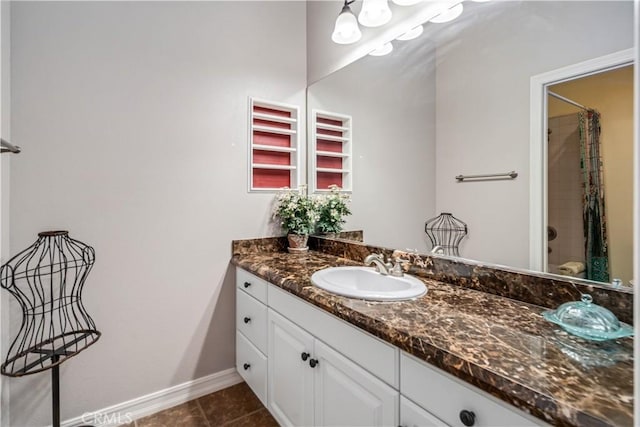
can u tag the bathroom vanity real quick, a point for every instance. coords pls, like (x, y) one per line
(455, 356)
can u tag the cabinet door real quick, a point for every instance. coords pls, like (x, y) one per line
(411, 415)
(290, 377)
(347, 395)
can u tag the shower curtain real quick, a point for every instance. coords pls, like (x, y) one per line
(594, 218)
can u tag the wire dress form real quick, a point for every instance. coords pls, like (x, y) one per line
(47, 280)
(446, 231)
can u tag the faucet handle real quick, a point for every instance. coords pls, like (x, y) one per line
(397, 270)
(438, 250)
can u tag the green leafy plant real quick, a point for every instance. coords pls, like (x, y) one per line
(296, 211)
(332, 208)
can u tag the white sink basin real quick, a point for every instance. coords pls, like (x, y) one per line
(366, 283)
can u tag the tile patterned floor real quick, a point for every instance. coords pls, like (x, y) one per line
(235, 406)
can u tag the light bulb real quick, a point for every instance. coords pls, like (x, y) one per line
(382, 50)
(448, 15)
(346, 30)
(374, 13)
(412, 33)
(411, 2)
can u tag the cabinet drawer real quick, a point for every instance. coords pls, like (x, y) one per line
(252, 366)
(411, 415)
(373, 354)
(446, 397)
(253, 285)
(251, 320)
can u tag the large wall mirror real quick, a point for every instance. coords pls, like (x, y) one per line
(456, 101)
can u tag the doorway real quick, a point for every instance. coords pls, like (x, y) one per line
(583, 242)
(539, 140)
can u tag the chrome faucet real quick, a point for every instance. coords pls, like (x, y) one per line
(381, 267)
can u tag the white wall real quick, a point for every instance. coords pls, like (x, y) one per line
(5, 132)
(393, 145)
(564, 195)
(132, 118)
(482, 115)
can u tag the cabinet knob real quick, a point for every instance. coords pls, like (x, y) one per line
(247, 319)
(313, 363)
(246, 366)
(468, 418)
(247, 284)
(305, 356)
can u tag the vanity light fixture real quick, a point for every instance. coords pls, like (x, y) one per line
(412, 33)
(383, 50)
(448, 15)
(374, 13)
(346, 30)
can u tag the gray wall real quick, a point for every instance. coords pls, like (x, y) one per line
(393, 144)
(132, 118)
(482, 113)
(5, 159)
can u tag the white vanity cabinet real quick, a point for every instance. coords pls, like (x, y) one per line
(346, 394)
(411, 415)
(311, 384)
(448, 399)
(290, 376)
(312, 369)
(251, 332)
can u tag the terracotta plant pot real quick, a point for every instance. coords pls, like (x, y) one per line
(298, 242)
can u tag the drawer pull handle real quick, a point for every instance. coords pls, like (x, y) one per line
(468, 418)
(247, 284)
(313, 363)
(247, 319)
(246, 366)
(304, 356)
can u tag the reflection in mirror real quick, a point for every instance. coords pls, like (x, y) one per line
(391, 106)
(590, 176)
(455, 101)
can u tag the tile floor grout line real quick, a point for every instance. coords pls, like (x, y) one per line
(206, 420)
(243, 416)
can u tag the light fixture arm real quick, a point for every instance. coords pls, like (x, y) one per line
(346, 7)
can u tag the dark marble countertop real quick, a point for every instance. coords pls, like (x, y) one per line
(500, 345)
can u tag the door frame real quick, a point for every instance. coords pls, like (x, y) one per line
(538, 221)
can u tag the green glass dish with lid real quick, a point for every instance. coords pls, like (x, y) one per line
(588, 320)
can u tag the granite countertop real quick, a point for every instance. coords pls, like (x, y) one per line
(500, 345)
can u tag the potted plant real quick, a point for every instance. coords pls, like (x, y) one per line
(297, 213)
(332, 208)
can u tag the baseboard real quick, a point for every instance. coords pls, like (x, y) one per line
(128, 411)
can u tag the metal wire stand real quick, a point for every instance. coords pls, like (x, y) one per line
(47, 280)
(446, 231)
